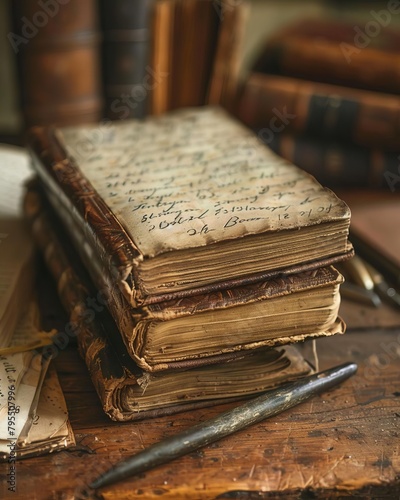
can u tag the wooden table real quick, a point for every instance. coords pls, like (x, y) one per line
(339, 445)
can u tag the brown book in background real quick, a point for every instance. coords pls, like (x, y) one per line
(127, 75)
(57, 49)
(196, 53)
(321, 110)
(195, 28)
(336, 164)
(335, 52)
(161, 55)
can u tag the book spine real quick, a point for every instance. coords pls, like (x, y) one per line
(337, 165)
(223, 85)
(57, 50)
(196, 25)
(161, 55)
(126, 54)
(320, 110)
(331, 61)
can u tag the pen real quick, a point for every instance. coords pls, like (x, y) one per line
(256, 410)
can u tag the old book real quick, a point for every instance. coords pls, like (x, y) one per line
(335, 52)
(17, 269)
(336, 164)
(126, 56)
(319, 110)
(188, 203)
(126, 391)
(57, 46)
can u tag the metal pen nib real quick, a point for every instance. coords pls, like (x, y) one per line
(251, 412)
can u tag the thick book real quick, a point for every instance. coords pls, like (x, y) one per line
(320, 110)
(188, 203)
(126, 29)
(57, 46)
(336, 52)
(126, 391)
(336, 164)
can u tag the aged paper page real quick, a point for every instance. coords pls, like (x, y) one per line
(195, 177)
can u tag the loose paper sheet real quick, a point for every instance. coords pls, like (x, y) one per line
(33, 414)
(16, 247)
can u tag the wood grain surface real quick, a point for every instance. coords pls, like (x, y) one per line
(342, 444)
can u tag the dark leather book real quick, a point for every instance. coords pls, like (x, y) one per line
(320, 111)
(128, 77)
(336, 52)
(126, 391)
(188, 203)
(336, 164)
(57, 46)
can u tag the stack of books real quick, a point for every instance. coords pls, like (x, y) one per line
(188, 254)
(325, 95)
(123, 59)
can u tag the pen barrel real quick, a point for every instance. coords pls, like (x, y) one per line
(256, 410)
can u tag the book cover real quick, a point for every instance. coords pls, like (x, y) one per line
(194, 203)
(320, 111)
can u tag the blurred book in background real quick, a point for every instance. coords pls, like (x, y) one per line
(58, 58)
(126, 28)
(329, 104)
